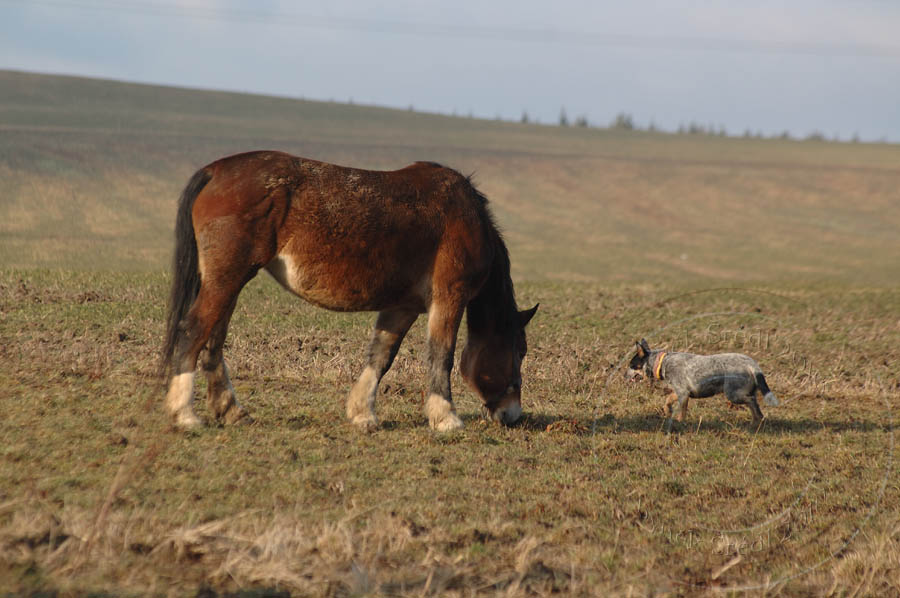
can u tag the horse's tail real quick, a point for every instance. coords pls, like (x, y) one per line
(185, 273)
(768, 395)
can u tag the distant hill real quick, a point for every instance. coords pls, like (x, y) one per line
(91, 171)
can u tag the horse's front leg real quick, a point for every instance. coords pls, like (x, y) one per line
(443, 324)
(390, 328)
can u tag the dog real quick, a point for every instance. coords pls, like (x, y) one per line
(688, 376)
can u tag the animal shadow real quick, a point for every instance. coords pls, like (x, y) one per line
(769, 425)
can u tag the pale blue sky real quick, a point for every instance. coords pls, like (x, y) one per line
(799, 65)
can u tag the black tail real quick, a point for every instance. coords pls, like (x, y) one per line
(768, 395)
(185, 274)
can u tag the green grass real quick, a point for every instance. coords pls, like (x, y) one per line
(782, 250)
(587, 494)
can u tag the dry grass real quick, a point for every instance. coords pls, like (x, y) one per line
(586, 496)
(782, 250)
(91, 182)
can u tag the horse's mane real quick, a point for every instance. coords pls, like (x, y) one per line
(495, 303)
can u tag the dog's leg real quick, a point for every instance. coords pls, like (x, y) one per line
(682, 411)
(682, 403)
(753, 406)
(671, 398)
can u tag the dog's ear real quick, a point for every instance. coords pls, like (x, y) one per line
(644, 346)
(640, 349)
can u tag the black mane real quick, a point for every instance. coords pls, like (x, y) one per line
(495, 304)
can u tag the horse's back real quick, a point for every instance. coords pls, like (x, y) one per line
(345, 238)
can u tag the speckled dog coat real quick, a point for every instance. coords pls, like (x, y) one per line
(688, 375)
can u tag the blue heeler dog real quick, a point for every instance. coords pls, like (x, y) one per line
(688, 375)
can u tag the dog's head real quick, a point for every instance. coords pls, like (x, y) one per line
(637, 367)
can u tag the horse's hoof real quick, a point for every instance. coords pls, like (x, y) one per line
(187, 421)
(237, 416)
(449, 423)
(365, 422)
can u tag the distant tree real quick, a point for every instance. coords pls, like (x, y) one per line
(623, 121)
(581, 121)
(748, 133)
(681, 129)
(652, 127)
(524, 118)
(695, 129)
(785, 134)
(855, 138)
(723, 132)
(815, 136)
(563, 118)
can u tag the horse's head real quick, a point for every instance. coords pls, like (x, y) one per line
(491, 365)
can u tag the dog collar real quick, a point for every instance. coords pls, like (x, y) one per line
(656, 370)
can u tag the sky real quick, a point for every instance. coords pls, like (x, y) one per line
(802, 66)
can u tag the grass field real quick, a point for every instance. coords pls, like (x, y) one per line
(787, 251)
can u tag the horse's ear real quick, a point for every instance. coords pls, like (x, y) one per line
(526, 314)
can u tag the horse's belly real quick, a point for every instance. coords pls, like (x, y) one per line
(346, 286)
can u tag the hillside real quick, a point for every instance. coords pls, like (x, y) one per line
(786, 251)
(91, 170)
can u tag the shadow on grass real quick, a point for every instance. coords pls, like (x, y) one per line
(262, 592)
(529, 422)
(580, 425)
(770, 425)
(537, 422)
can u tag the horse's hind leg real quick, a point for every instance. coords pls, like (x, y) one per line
(220, 393)
(443, 324)
(194, 331)
(214, 304)
(390, 328)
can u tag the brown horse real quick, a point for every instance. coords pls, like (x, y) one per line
(401, 243)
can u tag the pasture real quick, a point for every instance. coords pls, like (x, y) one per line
(784, 250)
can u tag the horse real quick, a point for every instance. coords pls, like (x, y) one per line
(421, 239)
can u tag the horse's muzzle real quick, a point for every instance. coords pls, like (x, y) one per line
(508, 412)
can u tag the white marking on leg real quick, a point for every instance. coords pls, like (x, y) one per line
(441, 414)
(178, 400)
(361, 402)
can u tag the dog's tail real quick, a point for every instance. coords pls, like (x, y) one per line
(768, 395)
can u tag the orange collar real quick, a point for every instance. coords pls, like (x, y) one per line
(658, 367)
